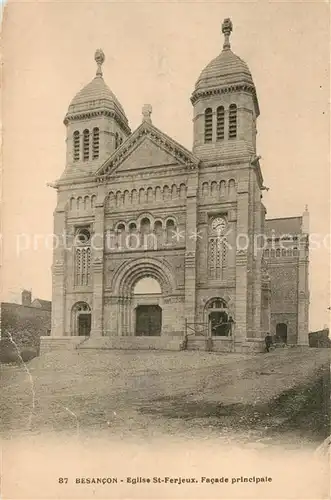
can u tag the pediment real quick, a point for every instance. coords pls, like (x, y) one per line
(146, 154)
(146, 147)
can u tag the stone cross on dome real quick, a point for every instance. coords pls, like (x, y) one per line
(226, 30)
(99, 58)
(146, 112)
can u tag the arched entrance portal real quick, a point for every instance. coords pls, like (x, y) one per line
(281, 333)
(143, 282)
(81, 319)
(218, 318)
(147, 293)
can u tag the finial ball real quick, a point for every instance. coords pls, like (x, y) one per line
(99, 56)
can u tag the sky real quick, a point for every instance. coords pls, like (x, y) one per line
(154, 54)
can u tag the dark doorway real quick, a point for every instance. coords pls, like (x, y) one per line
(148, 320)
(84, 324)
(218, 323)
(281, 333)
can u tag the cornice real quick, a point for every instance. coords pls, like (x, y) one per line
(227, 89)
(86, 115)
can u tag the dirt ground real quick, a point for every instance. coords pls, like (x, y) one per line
(262, 398)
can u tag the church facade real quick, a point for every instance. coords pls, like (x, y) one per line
(157, 242)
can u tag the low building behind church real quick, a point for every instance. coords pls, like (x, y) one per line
(25, 323)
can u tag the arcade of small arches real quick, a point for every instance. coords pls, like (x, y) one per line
(128, 234)
(222, 188)
(142, 196)
(284, 252)
(220, 123)
(78, 203)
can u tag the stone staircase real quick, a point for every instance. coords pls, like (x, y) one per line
(133, 343)
(49, 344)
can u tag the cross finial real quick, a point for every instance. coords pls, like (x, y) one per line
(146, 112)
(99, 58)
(226, 30)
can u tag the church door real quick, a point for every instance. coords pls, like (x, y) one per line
(84, 324)
(281, 333)
(148, 320)
(218, 323)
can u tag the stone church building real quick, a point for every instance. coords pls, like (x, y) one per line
(155, 244)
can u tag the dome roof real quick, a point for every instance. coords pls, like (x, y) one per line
(225, 72)
(225, 69)
(96, 96)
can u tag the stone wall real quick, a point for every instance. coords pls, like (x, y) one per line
(25, 324)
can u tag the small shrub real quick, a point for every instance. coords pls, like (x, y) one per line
(28, 353)
(9, 355)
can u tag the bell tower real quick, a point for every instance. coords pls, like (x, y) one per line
(225, 105)
(96, 124)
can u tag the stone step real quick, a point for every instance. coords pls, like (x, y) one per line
(138, 343)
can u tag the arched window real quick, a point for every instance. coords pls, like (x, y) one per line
(134, 197)
(170, 229)
(133, 236)
(158, 194)
(95, 143)
(119, 199)
(174, 192)
(72, 203)
(158, 230)
(79, 203)
(81, 319)
(220, 124)
(76, 148)
(166, 193)
(142, 196)
(116, 140)
(111, 200)
(86, 145)
(295, 252)
(283, 252)
(278, 252)
(208, 125)
(266, 253)
(232, 121)
(214, 188)
(149, 195)
(232, 187)
(223, 188)
(82, 266)
(145, 226)
(126, 198)
(93, 199)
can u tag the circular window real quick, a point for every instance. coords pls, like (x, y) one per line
(83, 235)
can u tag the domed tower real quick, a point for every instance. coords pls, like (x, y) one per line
(225, 105)
(96, 124)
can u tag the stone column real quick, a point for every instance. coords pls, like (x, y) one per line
(97, 244)
(58, 275)
(191, 245)
(241, 317)
(303, 293)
